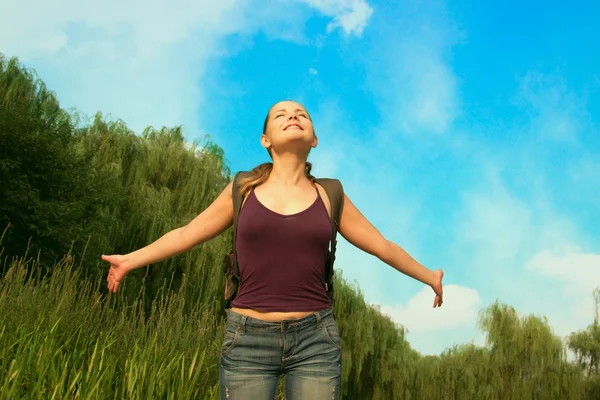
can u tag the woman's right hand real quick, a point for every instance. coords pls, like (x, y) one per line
(116, 273)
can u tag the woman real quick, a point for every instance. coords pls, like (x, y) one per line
(281, 321)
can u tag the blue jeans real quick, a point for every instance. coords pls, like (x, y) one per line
(305, 351)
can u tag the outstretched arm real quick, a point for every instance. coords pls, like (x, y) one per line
(210, 223)
(356, 229)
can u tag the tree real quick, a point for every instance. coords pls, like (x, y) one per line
(526, 358)
(46, 190)
(586, 346)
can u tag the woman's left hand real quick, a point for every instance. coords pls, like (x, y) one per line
(437, 288)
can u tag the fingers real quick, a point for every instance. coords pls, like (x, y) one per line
(112, 282)
(437, 287)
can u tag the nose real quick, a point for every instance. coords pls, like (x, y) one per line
(293, 116)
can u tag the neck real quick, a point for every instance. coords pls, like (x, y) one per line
(288, 170)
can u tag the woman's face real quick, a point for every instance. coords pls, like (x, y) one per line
(288, 125)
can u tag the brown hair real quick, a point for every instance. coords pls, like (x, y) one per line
(261, 173)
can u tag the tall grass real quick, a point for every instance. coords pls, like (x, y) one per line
(61, 338)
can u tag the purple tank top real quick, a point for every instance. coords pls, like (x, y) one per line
(282, 258)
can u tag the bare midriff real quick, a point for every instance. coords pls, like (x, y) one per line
(271, 316)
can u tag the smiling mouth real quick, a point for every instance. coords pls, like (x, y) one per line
(294, 126)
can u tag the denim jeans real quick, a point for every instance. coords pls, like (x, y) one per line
(305, 351)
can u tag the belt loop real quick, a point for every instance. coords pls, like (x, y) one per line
(243, 324)
(318, 316)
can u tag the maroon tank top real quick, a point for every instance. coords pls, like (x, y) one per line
(282, 258)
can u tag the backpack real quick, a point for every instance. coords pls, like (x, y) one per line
(335, 192)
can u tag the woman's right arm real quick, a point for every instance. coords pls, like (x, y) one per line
(210, 223)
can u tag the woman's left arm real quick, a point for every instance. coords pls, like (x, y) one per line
(356, 229)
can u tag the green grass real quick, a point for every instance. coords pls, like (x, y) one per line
(60, 337)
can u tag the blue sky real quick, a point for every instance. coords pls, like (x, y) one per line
(467, 132)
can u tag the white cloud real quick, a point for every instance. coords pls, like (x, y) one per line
(136, 60)
(579, 272)
(577, 275)
(460, 308)
(518, 250)
(43, 27)
(351, 16)
(430, 331)
(143, 61)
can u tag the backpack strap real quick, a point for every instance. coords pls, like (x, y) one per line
(237, 198)
(335, 193)
(230, 265)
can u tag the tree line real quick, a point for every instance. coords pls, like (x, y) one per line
(72, 189)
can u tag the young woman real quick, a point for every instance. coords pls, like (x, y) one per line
(281, 321)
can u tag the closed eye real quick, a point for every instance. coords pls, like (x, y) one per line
(281, 115)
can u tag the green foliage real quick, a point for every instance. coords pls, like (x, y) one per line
(586, 346)
(63, 188)
(46, 190)
(377, 359)
(528, 359)
(151, 185)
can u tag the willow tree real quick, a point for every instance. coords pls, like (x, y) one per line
(70, 187)
(460, 372)
(158, 182)
(526, 358)
(46, 188)
(586, 346)
(378, 362)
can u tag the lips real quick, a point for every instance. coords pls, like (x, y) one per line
(293, 126)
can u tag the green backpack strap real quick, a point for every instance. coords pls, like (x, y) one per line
(335, 193)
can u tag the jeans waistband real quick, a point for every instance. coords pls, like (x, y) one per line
(310, 320)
